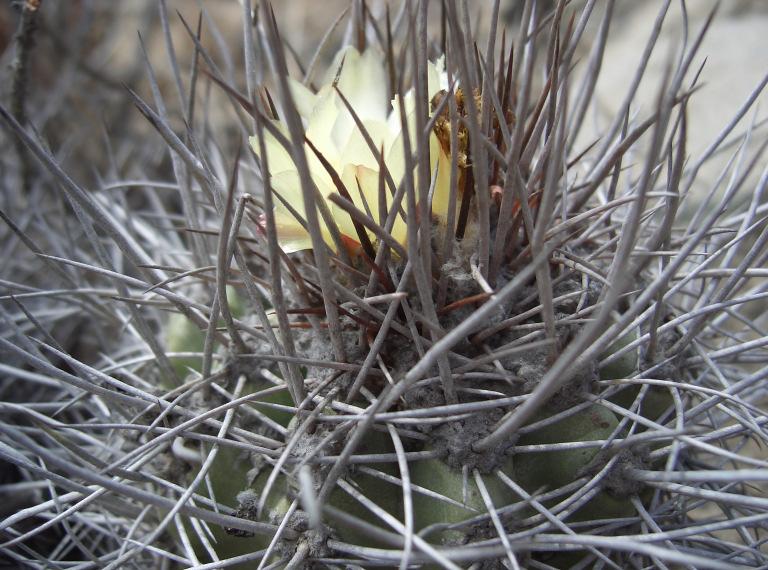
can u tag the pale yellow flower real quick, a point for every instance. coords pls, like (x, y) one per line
(332, 130)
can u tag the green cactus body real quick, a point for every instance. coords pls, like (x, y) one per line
(626, 365)
(282, 397)
(552, 469)
(437, 476)
(386, 495)
(181, 335)
(656, 400)
(228, 477)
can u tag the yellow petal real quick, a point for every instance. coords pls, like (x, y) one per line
(369, 186)
(290, 232)
(320, 128)
(291, 236)
(395, 161)
(363, 83)
(304, 99)
(334, 133)
(356, 151)
(394, 156)
(342, 218)
(278, 157)
(441, 195)
(437, 78)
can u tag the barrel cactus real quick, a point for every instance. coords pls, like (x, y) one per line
(417, 317)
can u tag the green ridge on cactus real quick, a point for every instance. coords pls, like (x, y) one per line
(437, 476)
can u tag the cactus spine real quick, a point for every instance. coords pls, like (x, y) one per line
(433, 327)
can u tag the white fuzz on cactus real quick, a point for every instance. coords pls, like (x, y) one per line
(417, 317)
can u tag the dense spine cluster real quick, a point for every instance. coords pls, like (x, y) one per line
(423, 321)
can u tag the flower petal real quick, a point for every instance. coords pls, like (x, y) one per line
(437, 78)
(363, 83)
(278, 157)
(441, 195)
(291, 234)
(304, 99)
(320, 128)
(334, 134)
(356, 151)
(369, 186)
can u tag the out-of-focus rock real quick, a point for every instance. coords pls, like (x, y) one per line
(735, 61)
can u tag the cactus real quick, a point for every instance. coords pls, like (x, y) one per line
(415, 318)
